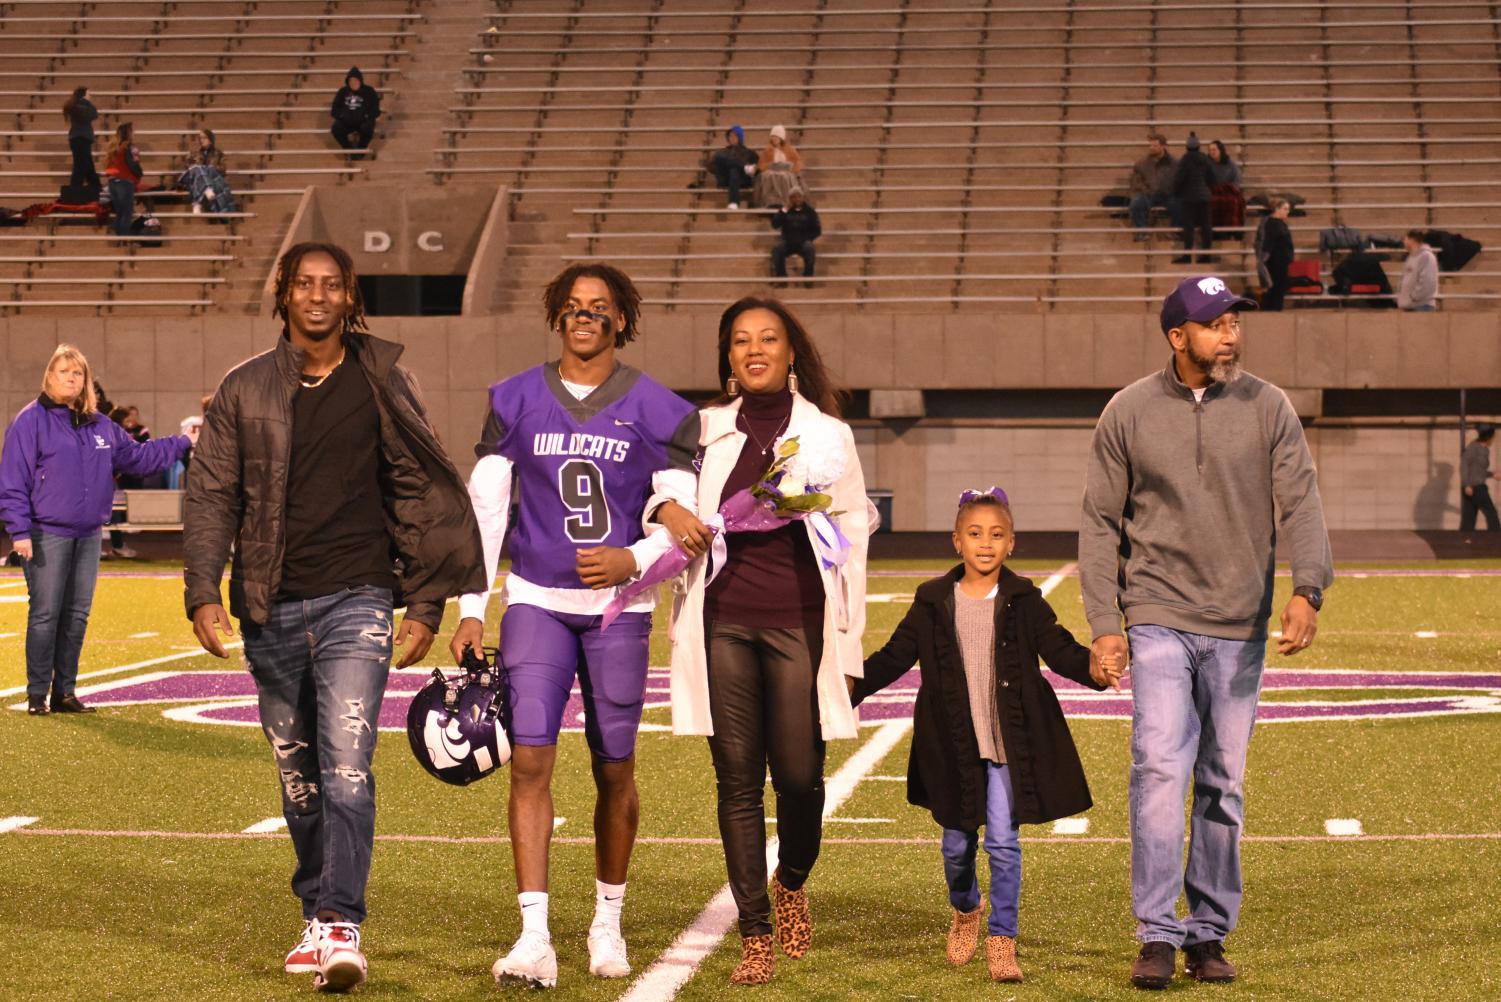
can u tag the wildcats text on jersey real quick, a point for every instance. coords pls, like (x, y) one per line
(580, 444)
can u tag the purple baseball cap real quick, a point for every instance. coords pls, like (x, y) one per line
(1201, 299)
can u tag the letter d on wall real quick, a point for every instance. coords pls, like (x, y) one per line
(377, 242)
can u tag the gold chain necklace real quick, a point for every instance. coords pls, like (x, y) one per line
(319, 380)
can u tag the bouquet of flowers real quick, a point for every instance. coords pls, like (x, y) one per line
(793, 488)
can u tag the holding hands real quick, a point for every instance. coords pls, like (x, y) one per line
(1108, 660)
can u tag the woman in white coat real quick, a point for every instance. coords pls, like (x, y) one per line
(760, 654)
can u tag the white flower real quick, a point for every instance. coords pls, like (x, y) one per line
(819, 462)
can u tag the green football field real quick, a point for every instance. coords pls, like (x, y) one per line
(138, 880)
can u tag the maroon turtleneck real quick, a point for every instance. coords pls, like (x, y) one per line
(770, 579)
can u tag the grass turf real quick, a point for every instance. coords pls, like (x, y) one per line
(132, 917)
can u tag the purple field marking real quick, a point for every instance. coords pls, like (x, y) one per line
(229, 697)
(690, 840)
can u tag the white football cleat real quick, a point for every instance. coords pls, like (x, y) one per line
(304, 956)
(532, 962)
(607, 957)
(341, 964)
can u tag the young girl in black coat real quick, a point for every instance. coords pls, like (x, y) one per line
(989, 742)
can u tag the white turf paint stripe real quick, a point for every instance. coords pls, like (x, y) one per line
(1071, 826)
(7, 636)
(670, 971)
(263, 827)
(885, 779)
(191, 653)
(143, 636)
(16, 823)
(1057, 579)
(1343, 826)
(1426, 635)
(588, 840)
(857, 821)
(16, 599)
(195, 652)
(558, 823)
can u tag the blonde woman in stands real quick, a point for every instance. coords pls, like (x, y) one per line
(779, 170)
(56, 487)
(203, 175)
(123, 168)
(80, 114)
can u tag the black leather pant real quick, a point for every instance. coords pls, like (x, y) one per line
(764, 706)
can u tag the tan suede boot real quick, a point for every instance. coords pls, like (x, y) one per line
(964, 935)
(757, 961)
(794, 920)
(1000, 954)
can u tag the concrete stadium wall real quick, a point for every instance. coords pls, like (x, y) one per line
(1386, 475)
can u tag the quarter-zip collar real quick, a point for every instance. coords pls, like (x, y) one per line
(1178, 387)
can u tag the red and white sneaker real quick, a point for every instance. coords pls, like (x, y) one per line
(304, 956)
(341, 965)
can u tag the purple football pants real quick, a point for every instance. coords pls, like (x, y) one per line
(543, 650)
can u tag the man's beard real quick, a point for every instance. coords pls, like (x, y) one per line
(1211, 366)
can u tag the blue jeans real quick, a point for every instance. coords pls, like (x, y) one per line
(1142, 205)
(60, 580)
(122, 200)
(1193, 708)
(320, 669)
(1002, 845)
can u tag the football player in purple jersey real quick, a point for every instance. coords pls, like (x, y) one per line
(586, 440)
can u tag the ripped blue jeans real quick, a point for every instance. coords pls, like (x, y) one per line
(320, 669)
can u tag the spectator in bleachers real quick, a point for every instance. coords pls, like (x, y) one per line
(799, 226)
(1274, 252)
(1151, 184)
(1419, 290)
(1193, 179)
(779, 170)
(733, 165)
(55, 493)
(203, 175)
(1224, 170)
(355, 108)
(123, 168)
(1474, 470)
(80, 113)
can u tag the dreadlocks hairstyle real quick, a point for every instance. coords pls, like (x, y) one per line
(813, 380)
(622, 290)
(286, 270)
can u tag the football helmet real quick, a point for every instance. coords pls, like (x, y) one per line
(455, 722)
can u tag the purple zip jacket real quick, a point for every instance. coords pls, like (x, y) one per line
(57, 470)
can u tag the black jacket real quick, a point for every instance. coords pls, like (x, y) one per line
(237, 493)
(945, 773)
(798, 226)
(356, 107)
(1194, 178)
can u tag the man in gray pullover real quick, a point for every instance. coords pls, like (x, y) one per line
(1193, 470)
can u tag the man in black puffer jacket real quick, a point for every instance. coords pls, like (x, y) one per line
(318, 462)
(355, 108)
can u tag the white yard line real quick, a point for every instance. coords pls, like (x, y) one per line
(1071, 826)
(232, 645)
(669, 972)
(263, 827)
(16, 823)
(1343, 827)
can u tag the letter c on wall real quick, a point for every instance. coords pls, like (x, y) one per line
(430, 240)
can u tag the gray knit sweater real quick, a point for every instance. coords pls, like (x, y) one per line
(974, 625)
(1183, 502)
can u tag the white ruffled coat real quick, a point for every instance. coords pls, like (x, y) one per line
(844, 587)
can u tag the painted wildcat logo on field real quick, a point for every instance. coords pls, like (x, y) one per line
(228, 697)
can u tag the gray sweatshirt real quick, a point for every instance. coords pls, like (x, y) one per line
(1182, 504)
(1475, 464)
(1419, 279)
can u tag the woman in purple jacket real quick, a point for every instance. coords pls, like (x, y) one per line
(56, 488)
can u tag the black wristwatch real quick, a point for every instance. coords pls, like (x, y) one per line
(1315, 596)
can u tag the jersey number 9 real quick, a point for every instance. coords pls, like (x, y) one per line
(582, 488)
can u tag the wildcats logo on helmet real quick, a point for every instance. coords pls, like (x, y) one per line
(454, 724)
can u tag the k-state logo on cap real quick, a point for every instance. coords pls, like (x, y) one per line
(1211, 286)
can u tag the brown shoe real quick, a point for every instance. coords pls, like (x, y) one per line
(793, 919)
(1206, 962)
(964, 935)
(1153, 968)
(757, 961)
(1000, 954)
